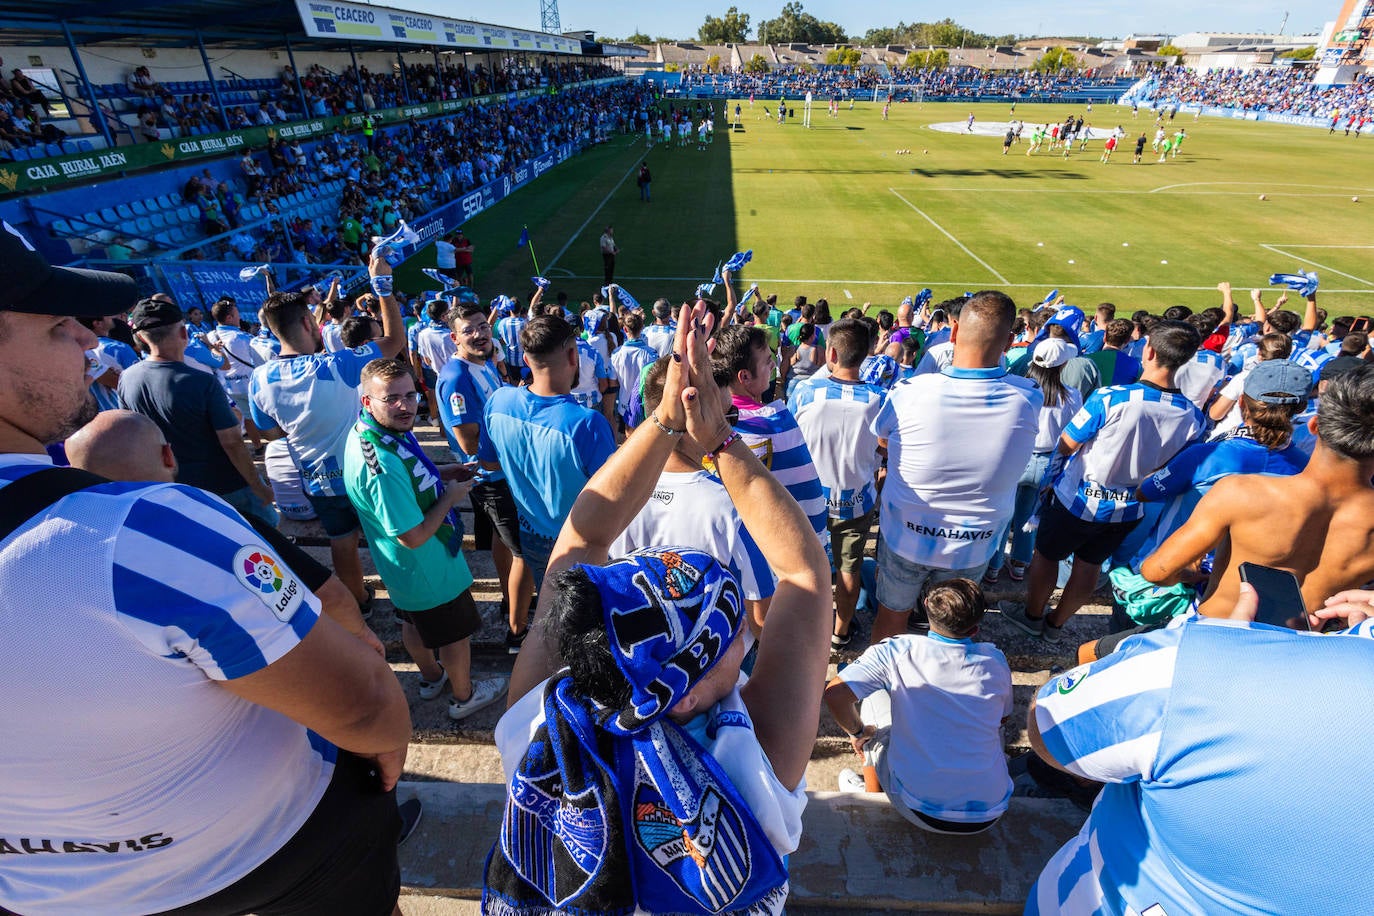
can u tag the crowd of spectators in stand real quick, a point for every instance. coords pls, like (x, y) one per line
(405, 174)
(330, 94)
(22, 107)
(1284, 90)
(963, 82)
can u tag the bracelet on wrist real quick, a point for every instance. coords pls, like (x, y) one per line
(728, 441)
(665, 429)
(853, 735)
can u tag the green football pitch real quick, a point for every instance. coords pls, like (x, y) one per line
(841, 211)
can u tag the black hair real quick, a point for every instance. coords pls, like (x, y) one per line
(1177, 313)
(575, 621)
(546, 335)
(355, 332)
(1174, 342)
(851, 340)
(735, 348)
(1345, 422)
(284, 310)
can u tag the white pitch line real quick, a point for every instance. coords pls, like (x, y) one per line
(966, 284)
(1351, 247)
(591, 216)
(992, 270)
(1123, 192)
(1289, 254)
(1266, 184)
(848, 294)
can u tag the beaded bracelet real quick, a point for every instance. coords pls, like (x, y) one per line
(729, 441)
(665, 429)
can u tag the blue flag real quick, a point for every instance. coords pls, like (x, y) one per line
(753, 291)
(738, 260)
(922, 298)
(541, 282)
(1304, 282)
(524, 237)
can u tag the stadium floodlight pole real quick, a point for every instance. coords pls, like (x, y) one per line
(97, 115)
(405, 81)
(300, 88)
(214, 86)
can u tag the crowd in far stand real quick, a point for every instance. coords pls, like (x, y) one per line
(402, 174)
(328, 93)
(1282, 90)
(963, 82)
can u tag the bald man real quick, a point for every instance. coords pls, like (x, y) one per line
(124, 445)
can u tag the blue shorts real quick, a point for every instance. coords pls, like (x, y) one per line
(336, 514)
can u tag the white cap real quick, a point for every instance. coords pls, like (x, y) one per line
(1053, 351)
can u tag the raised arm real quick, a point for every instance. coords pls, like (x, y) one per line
(784, 692)
(393, 339)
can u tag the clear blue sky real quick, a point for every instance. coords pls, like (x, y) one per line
(618, 18)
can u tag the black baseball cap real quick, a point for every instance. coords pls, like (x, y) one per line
(154, 313)
(29, 284)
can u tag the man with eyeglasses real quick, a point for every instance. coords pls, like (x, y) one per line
(463, 388)
(408, 507)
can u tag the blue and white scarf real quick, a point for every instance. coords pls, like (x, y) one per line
(611, 809)
(1304, 282)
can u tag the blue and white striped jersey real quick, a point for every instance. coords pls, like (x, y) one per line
(462, 391)
(1198, 377)
(142, 765)
(507, 331)
(314, 400)
(772, 433)
(1172, 723)
(836, 420)
(660, 336)
(1126, 432)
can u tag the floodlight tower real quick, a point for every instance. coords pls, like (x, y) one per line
(548, 16)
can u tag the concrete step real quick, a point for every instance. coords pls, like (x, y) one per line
(856, 854)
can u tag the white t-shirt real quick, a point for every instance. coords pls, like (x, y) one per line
(957, 444)
(238, 347)
(1197, 377)
(140, 767)
(660, 337)
(949, 697)
(445, 255)
(628, 362)
(434, 344)
(1233, 389)
(735, 749)
(1054, 419)
(692, 509)
(331, 333)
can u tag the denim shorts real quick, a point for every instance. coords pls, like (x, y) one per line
(901, 581)
(336, 514)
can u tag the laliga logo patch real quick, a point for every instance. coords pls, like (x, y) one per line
(265, 577)
(456, 403)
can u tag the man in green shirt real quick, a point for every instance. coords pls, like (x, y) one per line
(407, 507)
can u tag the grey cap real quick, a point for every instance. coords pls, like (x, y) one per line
(1277, 381)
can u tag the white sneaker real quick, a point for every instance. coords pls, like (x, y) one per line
(484, 692)
(851, 781)
(431, 689)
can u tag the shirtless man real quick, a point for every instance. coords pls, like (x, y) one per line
(1319, 524)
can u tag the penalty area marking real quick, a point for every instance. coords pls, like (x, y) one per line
(962, 247)
(1288, 254)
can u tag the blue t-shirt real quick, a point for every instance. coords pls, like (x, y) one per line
(1194, 726)
(549, 447)
(1183, 482)
(462, 391)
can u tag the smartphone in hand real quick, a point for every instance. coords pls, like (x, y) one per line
(1280, 597)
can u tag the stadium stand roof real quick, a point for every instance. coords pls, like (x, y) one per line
(264, 24)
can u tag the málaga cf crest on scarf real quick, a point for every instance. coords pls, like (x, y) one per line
(614, 808)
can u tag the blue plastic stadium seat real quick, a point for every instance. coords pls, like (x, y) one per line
(158, 220)
(143, 224)
(164, 239)
(108, 215)
(167, 202)
(138, 208)
(85, 146)
(61, 227)
(186, 213)
(20, 154)
(53, 149)
(124, 211)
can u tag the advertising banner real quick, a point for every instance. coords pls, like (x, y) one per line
(325, 19)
